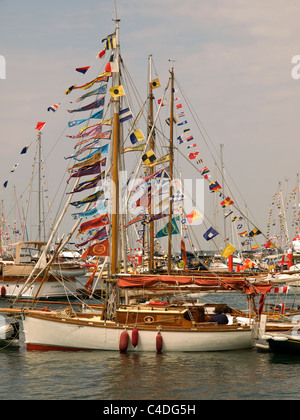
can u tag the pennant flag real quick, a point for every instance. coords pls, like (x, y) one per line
(5, 184)
(95, 158)
(137, 219)
(136, 136)
(193, 216)
(228, 250)
(96, 104)
(183, 253)
(244, 233)
(199, 161)
(178, 106)
(125, 115)
(24, 150)
(70, 89)
(101, 54)
(163, 159)
(100, 249)
(53, 107)
(90, 199)
(101, 78)
(158, 217)
(100, 91)
(77, 122)
(255, 247)
(227, 202)
(193, 155)
(103, 149)
(100, 234)
(254, 232)
(116, 91)
(92, 224)
(110, 43)
(88, 170)
(214, 186)
(136, 148)
(91, 183)
(155, 83)
(82, 70)
(98, 209)
(40, 126)
(210, 234)
(165, 231)
(148, 157)
(182, 123)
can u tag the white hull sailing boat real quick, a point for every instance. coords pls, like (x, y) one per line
(152, 326)
(49, 331)
(58, 282)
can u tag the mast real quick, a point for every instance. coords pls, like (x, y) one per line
(150, 125)
(223, 185)
(115, 165)
(39, 186)
(171, 174)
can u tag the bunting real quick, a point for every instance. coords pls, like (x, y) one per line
(90, 199)
(96, 104)
(77, 122)
(165, 231)
(92, 224)
(100, 249)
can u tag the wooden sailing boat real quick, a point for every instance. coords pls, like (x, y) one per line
(152, 326)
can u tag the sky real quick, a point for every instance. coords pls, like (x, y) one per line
(233, 57)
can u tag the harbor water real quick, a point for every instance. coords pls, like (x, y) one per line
(232, 375)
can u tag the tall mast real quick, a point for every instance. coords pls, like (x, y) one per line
(223, 186)
(151, 228)
(39, 139)
(171, 174)
(115, 165)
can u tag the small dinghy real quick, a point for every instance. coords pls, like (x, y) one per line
(9, 334)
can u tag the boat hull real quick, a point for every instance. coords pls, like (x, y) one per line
(50, 289)
(288, 346)
(43, 332)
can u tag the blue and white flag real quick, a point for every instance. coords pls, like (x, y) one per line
(125, 114)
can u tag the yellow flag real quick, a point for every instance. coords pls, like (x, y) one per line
(116, 91)
(155, 83)
(228, 250)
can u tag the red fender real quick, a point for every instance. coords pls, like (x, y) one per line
(124, 339)
(3, 292)
(159, 343)
(135, 337)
